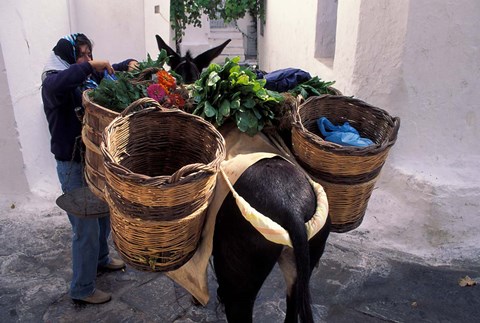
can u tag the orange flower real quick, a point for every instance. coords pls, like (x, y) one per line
(166, 79)
(165, 88)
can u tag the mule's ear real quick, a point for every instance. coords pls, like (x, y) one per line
(204, 59)
(174, 57)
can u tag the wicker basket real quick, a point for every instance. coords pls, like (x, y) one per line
(348, 174)
(160, 172)
(284, 119)
(95, 120)
(334, 91)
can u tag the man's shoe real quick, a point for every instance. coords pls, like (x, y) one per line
(114, 264)
(98, 297)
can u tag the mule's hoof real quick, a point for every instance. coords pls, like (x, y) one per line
(195, 301)
(219, 299)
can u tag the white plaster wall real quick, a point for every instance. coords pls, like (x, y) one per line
(288, 26)
(117, 29)
(436, 159)
(441, 78)
(156, 24)
(200, 39)
(28, 30)
(12, 169)
(419, 61)
(196, 38)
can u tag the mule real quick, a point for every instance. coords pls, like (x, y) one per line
(242, 257)
(187, 67)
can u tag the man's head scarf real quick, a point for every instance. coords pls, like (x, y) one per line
(63, 55)
(66, 48)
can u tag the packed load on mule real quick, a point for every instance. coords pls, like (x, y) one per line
(265, 183)
(153, 178)
(346, 160)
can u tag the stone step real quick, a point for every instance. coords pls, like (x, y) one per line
(221, 58)
(235, 42)
(225, 34)
(233, 50)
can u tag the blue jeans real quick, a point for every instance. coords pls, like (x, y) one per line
(89, 240)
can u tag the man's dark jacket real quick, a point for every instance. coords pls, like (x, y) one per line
(61, 94)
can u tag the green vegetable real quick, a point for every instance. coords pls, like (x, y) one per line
(161, 60)
(312, 87)
(130, 86)
(232, 92)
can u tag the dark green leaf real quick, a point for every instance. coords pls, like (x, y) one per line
(235, 104)
(249, 103)
(225, 108)
(209, 110)
(213, 78)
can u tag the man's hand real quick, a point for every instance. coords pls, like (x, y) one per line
(100, 66)
(132, 65)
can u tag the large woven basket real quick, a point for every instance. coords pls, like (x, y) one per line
(160, 172)
(347, 173)
(95, 120)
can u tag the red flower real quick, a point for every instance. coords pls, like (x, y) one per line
(175, 100)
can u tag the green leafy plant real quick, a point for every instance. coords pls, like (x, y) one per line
(119, 94)
(161, 60)
(313, 87)
(129, 86)
(230, 91)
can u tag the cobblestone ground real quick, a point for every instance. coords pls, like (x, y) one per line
(350, 284)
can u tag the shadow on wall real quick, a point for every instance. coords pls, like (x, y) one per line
(12, 173)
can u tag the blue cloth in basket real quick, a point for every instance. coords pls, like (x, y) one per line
(344, 135)
(284, 79)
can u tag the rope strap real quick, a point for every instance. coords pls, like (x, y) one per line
(271, 230)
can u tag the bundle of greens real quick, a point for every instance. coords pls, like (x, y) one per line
(230, 91)
(313, 87)
(130, 86)
(161, 60)
(119, 94)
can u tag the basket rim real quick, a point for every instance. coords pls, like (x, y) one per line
(394, 122)
(86, 101)
(126, 174)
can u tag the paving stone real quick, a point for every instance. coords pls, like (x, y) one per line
(351, 284)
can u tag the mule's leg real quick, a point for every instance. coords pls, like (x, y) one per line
(242, 260)
(286, 263)
(317, 244)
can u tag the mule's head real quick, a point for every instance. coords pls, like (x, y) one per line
(187, 67)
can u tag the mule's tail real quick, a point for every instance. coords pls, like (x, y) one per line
(298, 289)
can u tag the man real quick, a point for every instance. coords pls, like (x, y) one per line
(69, 70)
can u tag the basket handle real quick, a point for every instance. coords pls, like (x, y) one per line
(297, 120)
(146, 73)
(188, 169)
(140, 104)
(396, 126)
